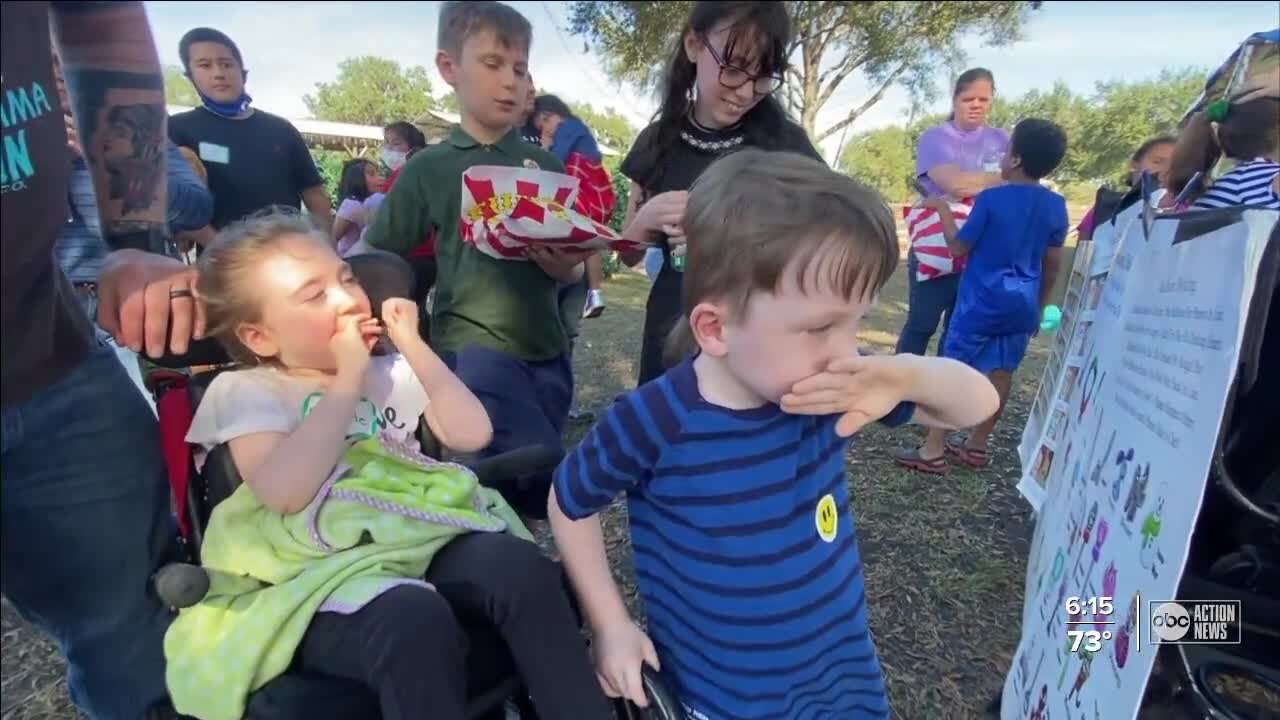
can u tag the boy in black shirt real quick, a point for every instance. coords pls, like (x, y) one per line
(254, 159)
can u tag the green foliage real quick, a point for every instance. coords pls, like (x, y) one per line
(886, 42)
(883, 158)
(371, 90)
(1103, 129)
(178, 90)
(608, 127)
(329, 163)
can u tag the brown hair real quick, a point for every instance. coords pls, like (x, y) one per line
(461, 20)
(755, 215)
(1251, 129)
(967, 78)
(224, 267)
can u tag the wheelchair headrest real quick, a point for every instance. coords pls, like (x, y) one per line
(382, 275)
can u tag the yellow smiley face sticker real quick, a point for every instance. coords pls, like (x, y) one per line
(826, 518)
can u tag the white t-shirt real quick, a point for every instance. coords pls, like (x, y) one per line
(265, 399)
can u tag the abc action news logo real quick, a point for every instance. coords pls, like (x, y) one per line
(1201, 622)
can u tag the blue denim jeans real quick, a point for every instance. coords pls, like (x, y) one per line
(86, 521)
(929, 302)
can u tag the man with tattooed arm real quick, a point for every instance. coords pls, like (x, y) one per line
(85, 504)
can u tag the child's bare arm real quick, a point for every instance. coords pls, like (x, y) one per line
(947, 393)
(286, 471)
(581, 545)
(1052, 266)
(949, 229)
(865, 388)
(621, 647)
(456, 416)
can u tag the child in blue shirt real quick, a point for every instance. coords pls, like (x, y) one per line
(733, 460)
(1013, 238)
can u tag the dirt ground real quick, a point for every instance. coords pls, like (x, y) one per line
(944, 557)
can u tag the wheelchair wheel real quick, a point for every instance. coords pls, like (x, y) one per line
(662, 703)
(1228, 692)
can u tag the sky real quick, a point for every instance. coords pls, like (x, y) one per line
(290, 46)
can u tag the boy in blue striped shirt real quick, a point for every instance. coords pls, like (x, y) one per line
(733, 461)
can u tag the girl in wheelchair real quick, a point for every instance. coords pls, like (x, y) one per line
(344, 552)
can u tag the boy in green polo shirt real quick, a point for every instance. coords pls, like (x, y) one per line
(495, 322)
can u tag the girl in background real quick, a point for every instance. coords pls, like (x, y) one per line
(569, 139)
(1153, 157)
(717, 97)
(359, 194)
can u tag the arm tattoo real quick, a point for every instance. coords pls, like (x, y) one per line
(117, 89)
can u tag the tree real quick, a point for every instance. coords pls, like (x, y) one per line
(883, 158)
(371, 90)
(1135, 112)
(887, 42)
(1069, 111)
(448, 102)
(178, 90)
(608, 127)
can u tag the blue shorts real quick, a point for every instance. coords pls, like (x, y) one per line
(987, 353)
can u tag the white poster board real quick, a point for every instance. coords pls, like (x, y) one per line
(1048, 422)
(1125, 488)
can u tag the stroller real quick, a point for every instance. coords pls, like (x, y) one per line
(493, 681)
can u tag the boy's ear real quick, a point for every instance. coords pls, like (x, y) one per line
(692, 46)
(258, 339)
(708, 323)
(448, 71)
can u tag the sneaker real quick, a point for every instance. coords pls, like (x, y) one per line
(595, 304)
(579, 415)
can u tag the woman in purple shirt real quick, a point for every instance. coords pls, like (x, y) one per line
(957, 159)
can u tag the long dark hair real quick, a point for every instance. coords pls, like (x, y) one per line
(353, 184)
(552, 104)
(967, 78)
(763, 123)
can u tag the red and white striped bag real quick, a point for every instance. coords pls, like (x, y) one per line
(924, 231)
(507, 209)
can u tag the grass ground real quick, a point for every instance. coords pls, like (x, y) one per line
(944, 557)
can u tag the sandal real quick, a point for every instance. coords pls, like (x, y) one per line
(972, 457)
(911, 458)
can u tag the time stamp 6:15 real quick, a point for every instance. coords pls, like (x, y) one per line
(1097, 608)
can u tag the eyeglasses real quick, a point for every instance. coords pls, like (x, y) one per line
(734, 77)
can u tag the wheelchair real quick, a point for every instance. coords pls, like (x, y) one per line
(493, 681)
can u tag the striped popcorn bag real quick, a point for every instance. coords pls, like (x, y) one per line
(507, 209)
(924, 231)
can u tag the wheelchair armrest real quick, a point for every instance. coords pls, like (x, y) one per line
(521, 462)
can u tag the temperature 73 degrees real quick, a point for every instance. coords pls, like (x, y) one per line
(1087, 640)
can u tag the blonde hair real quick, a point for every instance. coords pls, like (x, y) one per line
(225, 273)
(755, 215)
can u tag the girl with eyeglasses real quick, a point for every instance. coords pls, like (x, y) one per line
(718, 97)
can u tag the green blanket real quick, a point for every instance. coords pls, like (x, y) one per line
(378, 521)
